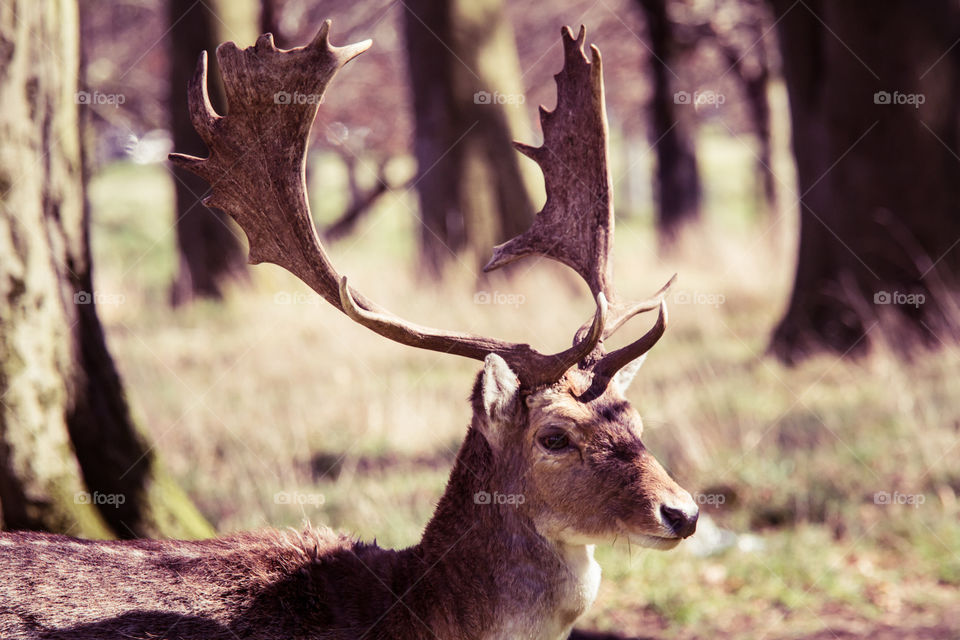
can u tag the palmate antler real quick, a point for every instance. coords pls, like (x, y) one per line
(256, 169)
(575, 226)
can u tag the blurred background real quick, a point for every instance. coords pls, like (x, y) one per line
(795, 162)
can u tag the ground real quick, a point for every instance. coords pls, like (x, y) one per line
(271, 408)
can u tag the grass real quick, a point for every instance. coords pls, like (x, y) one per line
(272, 408)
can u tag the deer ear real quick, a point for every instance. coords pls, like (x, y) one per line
(498, 389)
(624, 377)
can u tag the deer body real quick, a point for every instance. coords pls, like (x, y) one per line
(480, 572)
(483, 570)
(551, 433)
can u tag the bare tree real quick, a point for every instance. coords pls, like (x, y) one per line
(677, 179)
(742, 43)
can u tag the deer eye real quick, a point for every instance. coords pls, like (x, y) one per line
(555, 441)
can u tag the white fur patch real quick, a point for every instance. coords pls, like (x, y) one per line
(587, 569)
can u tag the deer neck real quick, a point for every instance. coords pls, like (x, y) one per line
(482, 537)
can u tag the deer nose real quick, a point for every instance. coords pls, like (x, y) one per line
(682, 523)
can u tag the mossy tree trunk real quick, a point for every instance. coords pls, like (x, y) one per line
(71, 458)
(467, 99)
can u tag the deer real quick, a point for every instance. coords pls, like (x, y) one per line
(552, 463)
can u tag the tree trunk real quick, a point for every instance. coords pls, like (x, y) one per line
(751, 66)
(678, 188)
(877, 172)
(71, 459)
(466, 91)
(759, 105)
(270, 22)
(210, 252)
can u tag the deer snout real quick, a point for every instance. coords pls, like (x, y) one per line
(679, 514)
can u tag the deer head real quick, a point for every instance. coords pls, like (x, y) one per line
(557, 425)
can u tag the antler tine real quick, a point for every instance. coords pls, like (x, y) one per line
(256, 169)
(625, 311)
(609, 364)
(203, 117)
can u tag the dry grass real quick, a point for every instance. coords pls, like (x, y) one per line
(273, 392)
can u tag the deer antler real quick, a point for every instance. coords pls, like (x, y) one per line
(256, 169)
(575, 226)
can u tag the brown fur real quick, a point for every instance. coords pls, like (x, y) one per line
(480, 571)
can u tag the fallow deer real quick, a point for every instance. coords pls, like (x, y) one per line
(552, 428)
